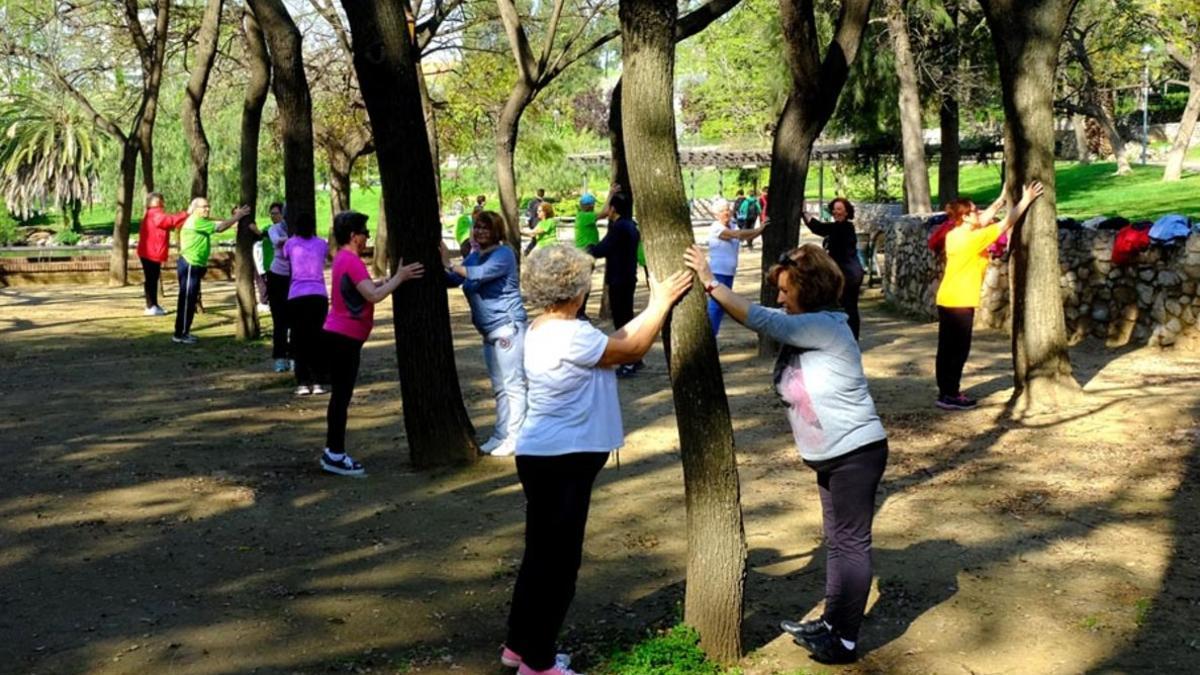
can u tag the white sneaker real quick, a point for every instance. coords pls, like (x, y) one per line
(318, 390)
(490, 444)
(303, 390)
(281, 365)
(507, 448)
(154, 311)
(263, 309)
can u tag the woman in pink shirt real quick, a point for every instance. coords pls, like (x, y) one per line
(347, 327)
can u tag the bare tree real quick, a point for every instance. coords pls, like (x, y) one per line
(816, 85)
(258, 81)
(1026, 35)
(152, 53)
(912, 136)
(1187, 122)
(193, 100)
(1087, 98)
(385, 61)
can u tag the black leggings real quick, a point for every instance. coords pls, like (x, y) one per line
(151, 271)
(954, 345)
(344, 355)
(850, 292)
(558, 491)
(847, 486)
(307, 316)
(277, 292)
(620, 303)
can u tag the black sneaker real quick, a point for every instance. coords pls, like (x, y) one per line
(626, 370)
(827, 648)
(804, 629)
(958, 402)
(343, 467)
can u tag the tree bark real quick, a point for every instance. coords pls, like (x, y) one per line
(258, 71)
(507, 128)
(716, 541)
(379, 262)
(618, 164)
(193, 99)
(816, 85)
(290, 86)
(153, 56)
(439, 430)
(916, 171)
(951, 153)
(1092, 103)
(1079, 129)
(340, 166)
(1187, 123)
(1026, 36)
(431, 131)
(118, 267)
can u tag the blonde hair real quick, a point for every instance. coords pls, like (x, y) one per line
(555, 274)
(195, 204)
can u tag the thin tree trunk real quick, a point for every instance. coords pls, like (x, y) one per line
(292, 98)
(916, 171)
(193, 99)
(1105, 118)
(153, 58)
(340, 166)
(118, 272)
(618, 165)
(431, 131)
(951, 154)
(379, 262)
(439, 430)
(1079, 127)
(716, 542)
(258, 82)
(1187, 123)
(507, 129)
(1026, 38)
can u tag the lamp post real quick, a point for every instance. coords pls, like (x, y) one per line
(1146, 49)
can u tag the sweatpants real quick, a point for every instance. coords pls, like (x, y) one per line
(620, 302)
(850, 293)
(277, 292)
(715, 311)
(190, 277)
(307, 316)
(954, 345)
(558, 491)
(847, 486)
(151, 271)
(504, 356)
(344, 355)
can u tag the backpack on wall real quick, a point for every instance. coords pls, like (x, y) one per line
(1170, 227)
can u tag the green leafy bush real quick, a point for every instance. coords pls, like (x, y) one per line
(9, 232)
(66, 238)
(673, 652)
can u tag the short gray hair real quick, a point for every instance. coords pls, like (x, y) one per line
(555, 274)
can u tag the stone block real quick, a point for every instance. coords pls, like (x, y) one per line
(1146, 274)
(1173, 307)
(1145, 294)
(1100, 313)
(1168, 278)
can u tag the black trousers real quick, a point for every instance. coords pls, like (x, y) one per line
(344, 356)
(847, 485)
(954, 345)
(190, 277)
(151, 271)
(558, 491)
(850, 292)
(277, 292)
(620, 302)
(307, 316)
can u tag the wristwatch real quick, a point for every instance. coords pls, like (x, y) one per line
(711, 285)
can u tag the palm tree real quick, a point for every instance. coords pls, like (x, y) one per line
(50, 154)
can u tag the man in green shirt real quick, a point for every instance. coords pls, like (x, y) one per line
(195, 246)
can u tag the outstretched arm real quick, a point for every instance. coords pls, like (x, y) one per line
(376, 292)
(734, 305)
(1028, 196)
(635, 338)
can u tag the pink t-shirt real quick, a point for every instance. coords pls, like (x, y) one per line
(307, 258)
(350, 314)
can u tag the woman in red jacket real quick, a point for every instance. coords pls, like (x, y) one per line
(153, 245)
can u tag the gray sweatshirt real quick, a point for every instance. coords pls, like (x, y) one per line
(820, 376)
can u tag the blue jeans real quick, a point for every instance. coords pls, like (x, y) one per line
(715, 313)
(189, 294)
(504, 354)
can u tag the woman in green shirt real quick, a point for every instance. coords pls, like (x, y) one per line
(195, 246)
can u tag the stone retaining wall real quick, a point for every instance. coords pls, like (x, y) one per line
(1153, 300)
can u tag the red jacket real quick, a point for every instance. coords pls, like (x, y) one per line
(154, 234)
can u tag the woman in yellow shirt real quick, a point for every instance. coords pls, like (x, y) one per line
(958, 295)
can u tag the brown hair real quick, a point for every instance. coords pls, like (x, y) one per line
(493, 221)
(815, 277)
(545, 210)
(957, 209)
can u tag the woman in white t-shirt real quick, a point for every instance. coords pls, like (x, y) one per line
(724, 242)
(572, 422)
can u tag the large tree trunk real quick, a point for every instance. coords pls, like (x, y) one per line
(716, 542)
(193, 99)
(294, 102)
(1026, 36)
(118, 272)
(1187, 123)
(916, 171)
(816, 85)
(258, 69)
(439, 431)
(951, 154)
(507, 128)
(431, 131)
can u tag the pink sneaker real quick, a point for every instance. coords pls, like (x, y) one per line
(509, 658)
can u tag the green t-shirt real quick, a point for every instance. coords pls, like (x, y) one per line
(546, 232)
(268, 250)
(586, 232)
(195, 240)
(462, 228)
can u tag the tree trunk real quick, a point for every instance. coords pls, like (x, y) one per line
(1079, 127)
(1105, 118)
(439, 430)
(1187, 123)
(193, 99)
(294, 102)
(507, 128)
(118, 273)
(153, 60)
(916, 171)
(379, 262)
(716, 542)
(618, 166)
(340, 166)
(258, 69)
(431, 131)
(951, 154)
(816, 85)
(1026, 38)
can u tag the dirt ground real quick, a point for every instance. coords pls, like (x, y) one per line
(163, 511)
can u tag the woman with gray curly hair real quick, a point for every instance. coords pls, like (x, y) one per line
(572, 422)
